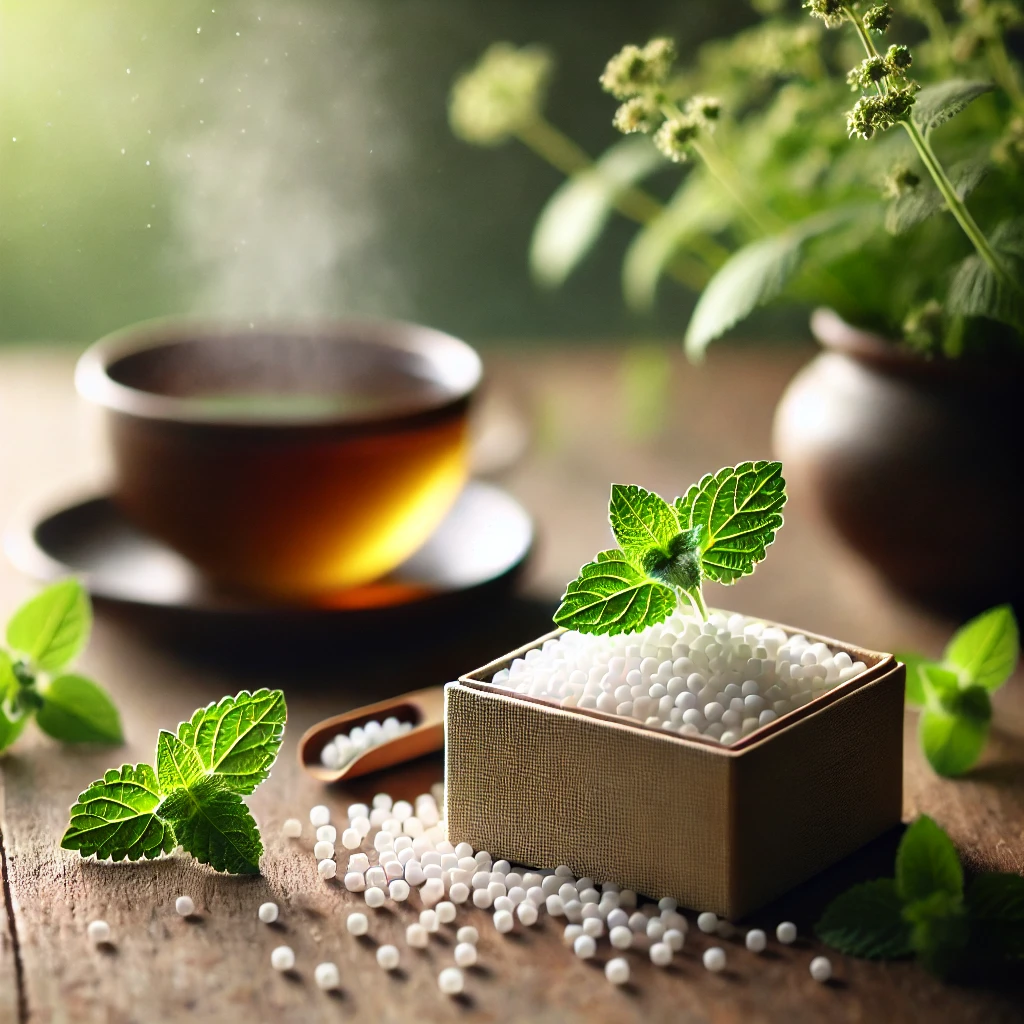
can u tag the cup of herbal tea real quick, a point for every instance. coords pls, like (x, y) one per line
(288, 462)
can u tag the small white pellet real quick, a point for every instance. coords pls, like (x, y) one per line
(467, 933)
(327, 869)
(465, 954)
(399, 890)
(667, 903)
(357, 924)
(786, 932)
(451, 981)
(319, 815)
(282, 958)
(374, 897)
(571, 933)
(291, 828)
(357, 811)
(355, 881)
(267, 913)
(184, 906)
(504, 903)
(351, 839)
(445, 911)
(323, 850)
(382, 801)
(388, 957)
(714, 959)
(593, 926)
(821, 968)
(417, 936)
(503, 921)
(459, 892)
(584, 947)
(674, 938)
(432, 891)
(756, 940)
(620, 937)
(482, 899)
(555, 906)
(617, 918)
(326, 976)
(661, 954)
(707, 922)
(527, 913)
(326, 834)
(655, 929)
(617, 970)
(376, 876)
(98, 932)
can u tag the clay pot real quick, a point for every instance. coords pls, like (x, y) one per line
(914, 462)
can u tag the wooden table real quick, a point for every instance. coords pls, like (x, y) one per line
(217, 969)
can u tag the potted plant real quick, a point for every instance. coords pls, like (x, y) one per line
(900, 222)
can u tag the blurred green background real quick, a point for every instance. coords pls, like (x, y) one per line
(293, 158)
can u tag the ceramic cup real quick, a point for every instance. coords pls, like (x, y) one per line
(286, 462)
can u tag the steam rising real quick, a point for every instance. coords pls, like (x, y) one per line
(280, 183)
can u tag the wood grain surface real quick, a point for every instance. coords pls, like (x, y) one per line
(216, 967)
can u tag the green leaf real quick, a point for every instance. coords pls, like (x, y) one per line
(693, 210)
(867, 921)
(918, 204)
(239, 737)
(976, 291)
(213, 824)
(11, 724)
(936, 104)
(641, 521)
(77, 710)
(740, 509)
(939, 931)
(52, 627)
(985, 650)
(953, 741)
(611, 595)
(927, 862)
(8, 680)
(915, 685)
(116, 817)
(753, 276)
(995, 905)
(178, 765)
(939, 685)
(577, 212)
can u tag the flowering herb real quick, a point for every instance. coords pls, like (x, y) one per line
(193, 798)
(779, 198)
(44, 636)
(718, 530)
(953, 693)
(927, 911)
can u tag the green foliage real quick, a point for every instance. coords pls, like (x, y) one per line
(939, 103)
(45, 635)
(193, 799)
(718, 530)
(924, 911)
(954, 692)
(577, 212)
(915, 205)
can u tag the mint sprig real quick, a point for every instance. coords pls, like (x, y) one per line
(193, 798)
(43, 637)
(719, 530)
(927, 912)
(955, 691)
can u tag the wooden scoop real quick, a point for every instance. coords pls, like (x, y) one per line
(424, 708)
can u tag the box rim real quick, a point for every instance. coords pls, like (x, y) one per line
(879, 663)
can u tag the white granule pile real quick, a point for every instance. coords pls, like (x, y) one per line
(721, 679)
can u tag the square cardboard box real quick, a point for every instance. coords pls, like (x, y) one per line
(726, 829)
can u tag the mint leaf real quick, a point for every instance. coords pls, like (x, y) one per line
(52, 627)
(178, 765)
(953, 740)
(116, 817)
(739, 508)
(611, 595)
(213, 824)
(641, 521)
(11, 724)
(915, 684)
(867, 921)
(239, 737)
(927, 862)
(8, 680)
(976, 291)
(985, 650)
(995, 906)
(77, 710)
(939, 931)
(936, 104)
(940, 685)
(919, 203)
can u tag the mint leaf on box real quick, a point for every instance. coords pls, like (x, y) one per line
(926, 911)
(45, 635)
(955, 692)
(719, 530)
(193, 798)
